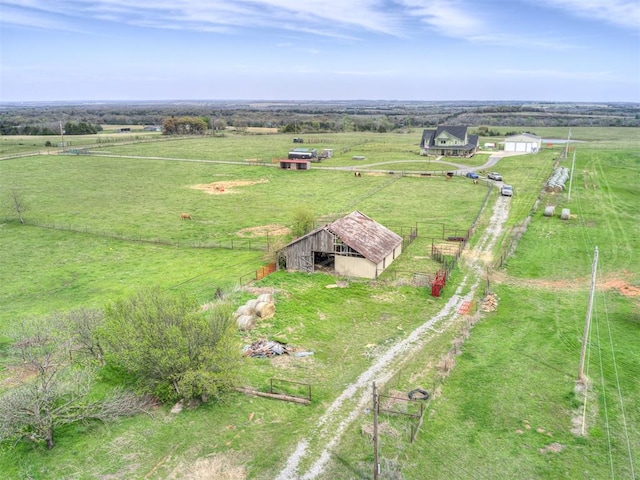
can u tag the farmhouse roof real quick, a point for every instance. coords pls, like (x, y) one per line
(364, 235)
(460, 132)
(456, 131)
(427, 137)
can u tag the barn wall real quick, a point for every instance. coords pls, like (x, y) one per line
(355, 267)
(299, 255)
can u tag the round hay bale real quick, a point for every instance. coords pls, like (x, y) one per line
(265, 309)
(565, 214)
(246, 322)
(244, 310)
(266, 297)
(550, 211)
(252, 303)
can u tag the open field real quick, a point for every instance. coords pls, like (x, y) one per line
(505, 411)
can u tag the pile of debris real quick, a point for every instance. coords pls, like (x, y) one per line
(489, 303)
(248, 314)
(267, 348)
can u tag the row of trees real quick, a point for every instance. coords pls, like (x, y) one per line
(164, 345)
(81, 128)
(50, 128)
(184, 126)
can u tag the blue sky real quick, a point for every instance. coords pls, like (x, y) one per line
(531, 50)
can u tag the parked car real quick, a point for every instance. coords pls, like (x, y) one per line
(495, 176)
(473, 175)
(506, 191)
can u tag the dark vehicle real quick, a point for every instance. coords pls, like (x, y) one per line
(506, 191)
(473, 175)
(495, 176)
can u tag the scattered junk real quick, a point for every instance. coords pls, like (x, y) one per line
(550, 211)
(297, 392)
(418, 394)
(358, 157)
(268, 349)
(247, 315)
(566, 213)
(325, 153)
(489, 303)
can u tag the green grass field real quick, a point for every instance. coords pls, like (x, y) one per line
(100, 227)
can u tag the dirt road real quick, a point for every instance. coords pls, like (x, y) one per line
(356, 397)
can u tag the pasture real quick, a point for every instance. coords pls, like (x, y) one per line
(100, 226)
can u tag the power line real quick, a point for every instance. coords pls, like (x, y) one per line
(617, 377)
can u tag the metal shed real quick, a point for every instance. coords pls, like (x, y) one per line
(353, 246)
(523, 142)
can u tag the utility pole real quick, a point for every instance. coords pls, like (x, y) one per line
(376, 465)
(587, 323)
(61, 135)
(573, 163)
(566, 148)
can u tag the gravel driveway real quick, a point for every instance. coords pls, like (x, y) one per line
(356, 397)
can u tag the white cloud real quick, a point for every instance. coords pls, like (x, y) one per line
(449, 17)
(625, 13)
(320, 17)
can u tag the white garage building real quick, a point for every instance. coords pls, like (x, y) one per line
(523, 142)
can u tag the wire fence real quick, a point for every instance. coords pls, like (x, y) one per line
(250, 244)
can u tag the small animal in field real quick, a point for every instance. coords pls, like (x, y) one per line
(185, 216)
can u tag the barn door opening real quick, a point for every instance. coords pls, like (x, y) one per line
(323, 261)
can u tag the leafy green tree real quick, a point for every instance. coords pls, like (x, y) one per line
(303, 221)
(170, 346)
(184, 126)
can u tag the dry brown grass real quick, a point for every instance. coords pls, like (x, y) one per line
(445, 366)
(225, 466)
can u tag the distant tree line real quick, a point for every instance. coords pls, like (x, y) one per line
(81, 128)
(70, 128)
(304, 117)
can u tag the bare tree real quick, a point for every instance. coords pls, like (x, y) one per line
(82, 326)
(54, 391)
(19, 205)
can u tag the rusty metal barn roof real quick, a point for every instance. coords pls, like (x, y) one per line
(367, 237)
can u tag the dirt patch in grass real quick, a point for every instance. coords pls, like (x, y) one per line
(554, 447)
(264, 230)
(623, 287)
(225, 186)
(620, 284)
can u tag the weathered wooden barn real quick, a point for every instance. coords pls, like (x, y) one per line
(353, 246)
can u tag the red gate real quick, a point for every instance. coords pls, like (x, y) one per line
(438, 283)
